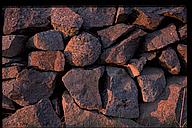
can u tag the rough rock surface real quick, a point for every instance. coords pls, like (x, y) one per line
(7, 103)
(74, 116)
(22, 19)
(122, 94)
(96, 16)
(170, 61)
(161, 38)
(152, 83)
(9, 61)
(124, 51)
(83, 85)
(40, 114)
(183, 32)
(48, 40)
(13, 45)
(47, 60)
(29, 86)
(82, 50)
(162, 112)
(122, 14)
(112, 33)
(10, 72)
(182, 50)
(66, 20)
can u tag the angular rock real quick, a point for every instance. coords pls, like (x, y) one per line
(21, 19)
(170, 61)
(162, 112)
(183, 32)
(161, 38)
(82, 50)
(76, 117)
(112, 33)
(182, 50)
(83, 86)
(135, 66)
(47, 60)
(10, 72)
(96, 16)
(122, 94)
(40, 114)
(123, 13)
(123, 52)
(66, 20)
(47, 40)
(13, 45)
(152, 83)
(29, 86)
(7, 103)
(147, 17)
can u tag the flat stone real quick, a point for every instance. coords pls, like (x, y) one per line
(66, 20)
(152, 83)
(29, 86)
(123, 13)
(13, 45)
(112, 33)
(170, 61)
(83, 86)
(10, 72)
(40, 114)
(161, 38)
(47, 60)
(124, 51)
(82, 50)
(96, 16)
(162, 112)
(47, 40)
(16, 61)
(182, 52)
(76, 117)
(22, 19)
(183, 32)
(7, 103)
(122, 94)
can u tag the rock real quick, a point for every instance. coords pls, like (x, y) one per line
(82, 50)
(40, 114)
(123, 13)
(183, 32)
(29, 86)
(47, 40)
(13, 45)
(66, 20)
(10, 72)
(74, 116)
(162, 112)
(16, 61)
(83, 86)
(96, 16)
(122, 94)
(152, 83)
(182, 52)
(170, 61)
(135, 66)
(124, 51)
(47, 60)
(20, 20)
(161, 38)
(112, 33)
(147, 17)
(7, 103)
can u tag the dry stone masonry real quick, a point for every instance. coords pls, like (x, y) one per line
(87, 66)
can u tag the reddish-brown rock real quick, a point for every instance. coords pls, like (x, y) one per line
(122, 94)
(13, 45)
(47, 60)
(96, 16)
(21, 19)
(152, 83)
(124, 51)
(161, 38)
(170, 61)
(183, 32)
(83, 85)
(112, 33)
(82, 50)
(182, 50)
(29, 86)
(10, 72)
(162, 112)
(66, 20)
(76, 117)
(7, 103)
(47, 40)
(123, 13)
(40, 114)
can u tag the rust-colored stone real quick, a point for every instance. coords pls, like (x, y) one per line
(182, 50)
(10, 72)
